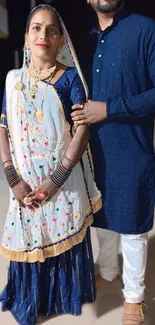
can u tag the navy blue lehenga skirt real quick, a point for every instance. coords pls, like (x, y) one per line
(60, 285)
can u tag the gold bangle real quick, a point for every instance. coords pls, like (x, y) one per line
(72, 163)
(6, 161)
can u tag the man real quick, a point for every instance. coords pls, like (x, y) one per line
(122, 116)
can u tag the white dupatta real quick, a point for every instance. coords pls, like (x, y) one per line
(36, 149)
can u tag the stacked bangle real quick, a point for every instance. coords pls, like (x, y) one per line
(60, 175)
(12, 176)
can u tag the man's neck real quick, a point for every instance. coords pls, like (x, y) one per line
(105, 20)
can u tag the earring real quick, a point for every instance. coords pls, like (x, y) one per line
(27, 60)
(27, 48)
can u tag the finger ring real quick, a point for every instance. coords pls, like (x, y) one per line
(41, 195)
(27, 201)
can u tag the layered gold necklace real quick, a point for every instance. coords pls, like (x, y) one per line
(38, 76)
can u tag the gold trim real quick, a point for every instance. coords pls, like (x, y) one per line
(96, 205)
(40, 255)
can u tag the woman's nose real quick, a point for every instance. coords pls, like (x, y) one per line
(43, 34)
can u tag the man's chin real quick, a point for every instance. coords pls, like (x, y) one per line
(108, 6)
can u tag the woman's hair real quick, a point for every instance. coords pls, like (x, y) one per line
(43, 7)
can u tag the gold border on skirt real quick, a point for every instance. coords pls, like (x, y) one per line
(40, 255)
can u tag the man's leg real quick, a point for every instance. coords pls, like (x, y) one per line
(108, 255)
(134, 251)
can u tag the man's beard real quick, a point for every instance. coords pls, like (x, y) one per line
(107, 7)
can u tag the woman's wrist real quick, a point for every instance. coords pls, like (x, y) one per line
(7, 163)
(11, 175)
(60, 175)
(67, 163)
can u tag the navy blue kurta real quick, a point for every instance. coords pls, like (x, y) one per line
(123, 75)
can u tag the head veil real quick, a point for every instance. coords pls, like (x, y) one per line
(66, 55)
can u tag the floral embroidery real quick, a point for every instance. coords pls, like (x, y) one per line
(46, 143)
(38, 154)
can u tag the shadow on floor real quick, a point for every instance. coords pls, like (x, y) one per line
(109, 295)
(41, 320)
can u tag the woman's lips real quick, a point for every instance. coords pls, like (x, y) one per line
(43, 46)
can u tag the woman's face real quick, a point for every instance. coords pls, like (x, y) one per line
(44, 36)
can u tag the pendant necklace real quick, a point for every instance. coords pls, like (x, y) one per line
(39, 113)
(38, 76)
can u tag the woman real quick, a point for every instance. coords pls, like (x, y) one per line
(52, 195)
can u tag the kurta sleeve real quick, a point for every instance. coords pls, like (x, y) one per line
(142, 104)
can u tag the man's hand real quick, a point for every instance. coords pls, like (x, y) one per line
(89, 113)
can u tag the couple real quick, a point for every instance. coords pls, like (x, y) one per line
(49, 168)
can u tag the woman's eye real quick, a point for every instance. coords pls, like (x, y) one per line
(37, 28)
(53, 31)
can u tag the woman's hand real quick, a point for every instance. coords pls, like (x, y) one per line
(20, 191)
(45, 192)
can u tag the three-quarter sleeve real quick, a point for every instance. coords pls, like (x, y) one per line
(77, 91)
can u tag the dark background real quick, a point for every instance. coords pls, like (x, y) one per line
(76, 14)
